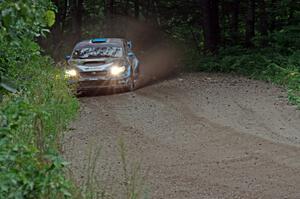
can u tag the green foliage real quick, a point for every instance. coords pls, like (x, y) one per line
(24, 18)
(287, 40)
(50, 18)
(31, 119)
(30, 123)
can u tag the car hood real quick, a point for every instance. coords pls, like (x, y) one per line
(86, 65)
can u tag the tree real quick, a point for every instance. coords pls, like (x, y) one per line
(111, 4)
(235, 11)
(250, 22)
(263, 18)
(57, 27)
(216, 21)
(136, 8)
(211, 27)
(77, 12)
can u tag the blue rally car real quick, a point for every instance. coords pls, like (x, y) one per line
(103, 63)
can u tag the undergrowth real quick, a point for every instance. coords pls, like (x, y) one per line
(34, 109)
(31, 123)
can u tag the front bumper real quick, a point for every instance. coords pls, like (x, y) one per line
(92, 80)
(86, 85)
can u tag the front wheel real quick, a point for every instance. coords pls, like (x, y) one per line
(131, 85)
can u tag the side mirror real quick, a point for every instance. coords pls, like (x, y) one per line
(129, 44)
(67, 58)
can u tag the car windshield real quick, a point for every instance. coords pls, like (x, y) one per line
(97, 51)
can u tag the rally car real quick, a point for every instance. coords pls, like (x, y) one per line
(103, 63)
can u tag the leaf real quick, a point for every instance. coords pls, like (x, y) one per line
(6, 20)
(50, 18)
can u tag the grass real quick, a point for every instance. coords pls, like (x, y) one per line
(98, 182)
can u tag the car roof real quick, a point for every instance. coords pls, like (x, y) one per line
(107, 41)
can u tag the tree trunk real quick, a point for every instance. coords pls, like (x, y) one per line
(273, 15)
(263, 18)
(147, 10)
(235, 21)
(111, 7)
(156, 13)
(211, 27)
(56, 29)
(74, 16)
(223, 20)
(126, 7)
(294, 6)
(77, 9)
(263, 22)
(137, 9)
(79, 15)
(250, 23)
(64, 15)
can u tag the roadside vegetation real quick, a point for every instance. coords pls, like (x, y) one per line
(35, 106)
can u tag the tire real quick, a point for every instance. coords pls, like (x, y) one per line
(131, 85)
(133, 81)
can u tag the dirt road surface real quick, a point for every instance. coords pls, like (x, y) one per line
(196, 136)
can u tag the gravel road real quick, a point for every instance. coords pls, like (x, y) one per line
(196, 136)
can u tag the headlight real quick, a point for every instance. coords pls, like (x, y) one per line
(71, 73)
(117, 70)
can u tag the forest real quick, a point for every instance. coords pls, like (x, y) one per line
(259, 39)
(208, 25)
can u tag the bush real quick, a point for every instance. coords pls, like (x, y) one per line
(31, 122)
(30, 165)
(31, 119)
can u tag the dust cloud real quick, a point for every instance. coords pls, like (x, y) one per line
(159, 56)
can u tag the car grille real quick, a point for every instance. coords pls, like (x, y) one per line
(94, 74)
(93, 63)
